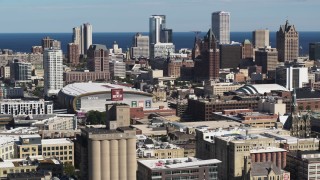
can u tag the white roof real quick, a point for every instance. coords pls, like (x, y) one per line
(267, 149)
(177, 163)
(7, 139)
(30, 136)
(260, 88)
(55, 141)
(77, 89)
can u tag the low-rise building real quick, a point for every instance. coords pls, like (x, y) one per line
(153, 149)
(28, 165)
(267, 170)
(20, 107)
(304, 165)
(237, 148)
(58, 122)
(7, 146)
(33, 145)
(179, 168)
(212, 88)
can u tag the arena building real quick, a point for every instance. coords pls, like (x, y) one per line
(84, 97)
(260, 88)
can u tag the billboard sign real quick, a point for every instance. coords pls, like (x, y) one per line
(140, 103)
(116, 94)
(148, 104)
(133, 103)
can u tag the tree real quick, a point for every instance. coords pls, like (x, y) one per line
(68, 169)
(301, 108)
(96, 117)
(308, 107)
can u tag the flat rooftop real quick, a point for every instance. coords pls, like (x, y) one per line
(30, 136)
(211, 124)
(177, 163)
(148, 131)
(56, 141)
(7, 139)
(267, 149)
(77, 89)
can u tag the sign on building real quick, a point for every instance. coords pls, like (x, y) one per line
(141, 103)
(133, 103)
(148, 104)
(116, 94)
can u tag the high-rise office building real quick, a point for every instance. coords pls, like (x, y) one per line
(140, 46)
(53, 71)
(260, 38)
(156, 24)
(220, 25)
(287, 42)
(267, 58)
(87, 36)
(314, 51)
(207, 68)
(77, 38)
(291, 77)
(230, 55)
(73, 53)
(160, 38)
(47, 42)
(247, 50)
(20, 71)
(82, 36)
(166, 36)
(98, 58)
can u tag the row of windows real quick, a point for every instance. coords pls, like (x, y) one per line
(56, 148)
(17, 171)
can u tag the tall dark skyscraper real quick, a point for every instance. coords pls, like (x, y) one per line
(287, 42)
(314, 51)
(230, 55)
(207, 63)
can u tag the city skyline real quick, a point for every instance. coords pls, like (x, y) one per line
(112, 16)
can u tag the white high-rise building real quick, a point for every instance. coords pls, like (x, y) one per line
(156, 24)
(87, 36)
(220, 25)
(292, 77)
(76, 37)
(83, 37)
(53, 71)
(159, 37)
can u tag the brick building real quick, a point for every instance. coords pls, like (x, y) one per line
(206, 55)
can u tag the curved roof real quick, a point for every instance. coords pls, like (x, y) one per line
(78, 89)
(260, 88)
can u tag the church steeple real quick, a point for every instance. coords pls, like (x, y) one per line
(294, 103)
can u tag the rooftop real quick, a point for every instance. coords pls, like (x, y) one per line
(260, 88)
(77, 89)
(56, 141)
(267, 149)
(177, 163)
(7, 139)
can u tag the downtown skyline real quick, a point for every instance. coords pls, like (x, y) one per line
(132, 16)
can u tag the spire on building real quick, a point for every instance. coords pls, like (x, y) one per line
(294, 101)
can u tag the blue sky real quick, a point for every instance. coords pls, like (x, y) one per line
(132, 15)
